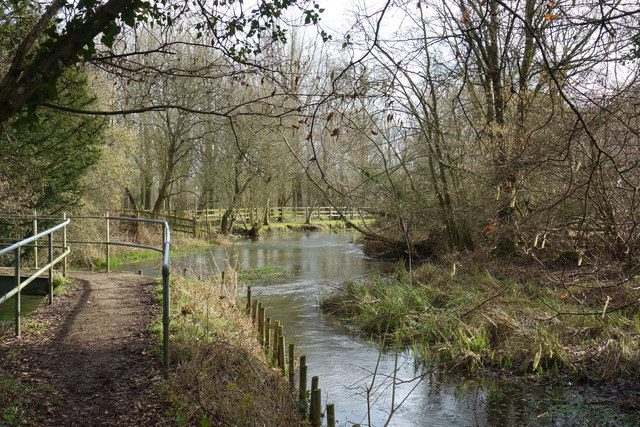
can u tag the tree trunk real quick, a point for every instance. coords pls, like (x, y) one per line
(226, 222)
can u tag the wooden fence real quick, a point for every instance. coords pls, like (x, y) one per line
(201, 222)
(271, 337)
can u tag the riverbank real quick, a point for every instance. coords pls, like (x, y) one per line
(516, 320)
(221, 375)
(284, 227)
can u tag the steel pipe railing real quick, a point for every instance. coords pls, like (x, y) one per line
(165, 250)
(19, 284)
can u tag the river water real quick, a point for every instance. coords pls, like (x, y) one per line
(345, 362)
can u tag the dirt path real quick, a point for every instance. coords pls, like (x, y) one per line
(93, 347)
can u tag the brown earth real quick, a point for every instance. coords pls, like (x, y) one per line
(93, 347)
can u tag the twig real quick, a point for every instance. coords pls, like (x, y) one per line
(487, 300)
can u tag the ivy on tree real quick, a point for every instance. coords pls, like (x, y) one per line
(52, 150)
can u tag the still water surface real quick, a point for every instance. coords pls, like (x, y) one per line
(344, 360)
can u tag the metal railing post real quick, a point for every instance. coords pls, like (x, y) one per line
(107, 241)
(64, 246)
(51, 268)
(165, 299)
(17, 296)
(164, 236)
(165, 319)
(35, 232)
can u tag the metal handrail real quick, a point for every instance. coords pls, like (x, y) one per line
(17, 278)
(166, 270)
(32, 238)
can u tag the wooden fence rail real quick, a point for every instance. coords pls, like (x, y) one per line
(202, 221)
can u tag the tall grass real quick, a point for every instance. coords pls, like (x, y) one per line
(221, 376)
(475, 321)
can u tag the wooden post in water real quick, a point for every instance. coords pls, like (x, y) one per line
(281, 349)
(302, 388)
(331, 415)
(260, 324)
(316, 420)
(292, 366)
(254, 311)
(248, 308)
(274, 341)
(314, 382)
(267, 335)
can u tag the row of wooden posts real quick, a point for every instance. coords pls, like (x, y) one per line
(274, 344)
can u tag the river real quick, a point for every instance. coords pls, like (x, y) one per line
(345, 361)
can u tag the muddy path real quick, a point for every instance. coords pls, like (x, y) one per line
(93, 348)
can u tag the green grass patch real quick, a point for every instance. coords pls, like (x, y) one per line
(124, 256)
(63, 285)
(584, 414)
(268, 275)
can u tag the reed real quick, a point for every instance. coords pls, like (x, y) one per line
(475, 320)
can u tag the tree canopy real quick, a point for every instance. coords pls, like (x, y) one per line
(44, 39)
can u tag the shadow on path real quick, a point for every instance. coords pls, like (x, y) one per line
(95, 352)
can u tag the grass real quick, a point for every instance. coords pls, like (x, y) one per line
(475, 320)
(221, 375)
(586, 414)
(267, 275)
(121, 255)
